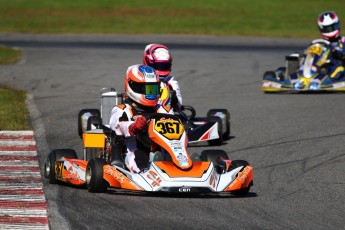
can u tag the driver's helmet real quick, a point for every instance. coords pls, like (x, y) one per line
(158, 57)
(142, 85)
(329, 25)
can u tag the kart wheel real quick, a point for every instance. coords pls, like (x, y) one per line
(56, 155)
(218, 141)
(93, 112)
(236, 164)
(94, 176)
(268, 75)
(216, 157)
(225, 116)
(213, 155)
(95, 121)
(280, 73)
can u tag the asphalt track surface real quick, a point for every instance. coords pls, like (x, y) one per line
(294, 142)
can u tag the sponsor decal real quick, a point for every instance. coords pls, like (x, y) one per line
(266, 84)
(58, 170)
(175, 144)
(183, 161)
(339, 85)
(114, 173)
(276, 85)
(156, 180)
(242, 176)
(72, 174)
(184, 189)
(214, 179)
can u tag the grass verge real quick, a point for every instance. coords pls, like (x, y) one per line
(270, 18)
(14, 114)
(9, 55)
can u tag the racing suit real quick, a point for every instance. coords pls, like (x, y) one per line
(122, 117)
(338, 58)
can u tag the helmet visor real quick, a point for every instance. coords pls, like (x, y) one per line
(330, 28)
(149, 90)
(163, 66)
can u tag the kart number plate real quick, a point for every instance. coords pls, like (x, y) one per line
(58, 170)
(315, 50)
(169, 128)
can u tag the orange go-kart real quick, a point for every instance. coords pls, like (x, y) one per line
(166, 165)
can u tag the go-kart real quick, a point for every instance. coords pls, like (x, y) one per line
(214, 128)
(313, 71)
(167, 168)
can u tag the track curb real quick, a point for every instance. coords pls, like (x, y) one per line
(23, 204)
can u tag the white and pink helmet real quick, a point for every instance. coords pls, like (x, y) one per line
(158, 57)
(329, 25)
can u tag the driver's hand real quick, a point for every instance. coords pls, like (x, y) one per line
(138, 125)
(130, 162)
(337, 53)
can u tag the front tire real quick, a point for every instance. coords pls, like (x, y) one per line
(217, 157)
(213, 155)
(94, 176)
(54, 156)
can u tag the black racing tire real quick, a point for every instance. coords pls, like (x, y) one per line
(213, 155)
(280, 73)
(56, 155)
(268, 75)
(218, 141)
(94, 176)
(226, 113)
(93, 120)
(94, 112)
(236, 164)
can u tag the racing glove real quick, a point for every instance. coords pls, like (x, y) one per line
(130, 162)
(337, 53)
(138, 125)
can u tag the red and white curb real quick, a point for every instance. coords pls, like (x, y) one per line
(22, 201)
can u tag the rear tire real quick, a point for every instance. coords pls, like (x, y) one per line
(225, 120)
(94, 176)
(94, 112)
(218, 141)
(54, 156)
(95, 121)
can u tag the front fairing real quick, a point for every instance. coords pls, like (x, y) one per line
(167, 131)
(166, 177)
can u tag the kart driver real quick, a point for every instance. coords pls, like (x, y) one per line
(142, 87)
(329, 26)
(158, 57)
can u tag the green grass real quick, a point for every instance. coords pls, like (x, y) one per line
(13, 110)
(9, 55)
(279, 18)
